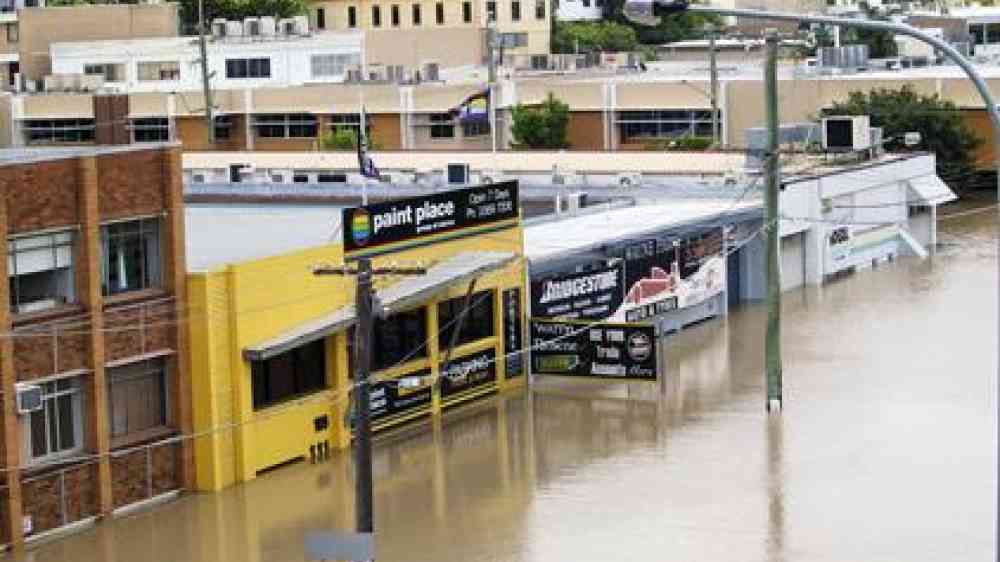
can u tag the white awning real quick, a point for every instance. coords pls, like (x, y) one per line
(411, 291)
(929, 190)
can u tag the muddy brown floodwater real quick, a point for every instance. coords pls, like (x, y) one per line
(885, 449)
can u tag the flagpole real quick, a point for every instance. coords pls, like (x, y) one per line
(363, 142)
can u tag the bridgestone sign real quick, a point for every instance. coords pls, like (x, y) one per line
(585, 296)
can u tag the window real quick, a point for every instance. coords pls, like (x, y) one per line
(475, 128)
(57, 428)
(477, 324)
(515, 10)
(289, 375)
(320, 18)
(586, 3)
(978, 33)
(43, 131)
(491, 11)
(539, 9)
(439, 13)
(993, 33)
(352, 16)
(131, 252)
(416, 14)
(442, 126)
(137, 397)
(280, 125)
(510, 40)
(110, 72)
(152, 71)
(395, 15)
(326, 66)
(467, 12)
(300, 177)
(331, 178)
(669, 123)
(248, 68)
(376, 16)
(150, 129)
(399, 338)
(13, 33)
(40, 271)
(352, 120)
(223, 127)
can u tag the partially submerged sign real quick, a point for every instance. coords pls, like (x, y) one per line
(408, 219)
(593, 350)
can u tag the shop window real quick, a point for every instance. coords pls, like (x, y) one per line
(416, 14)
(280, 125)
(399, 338)
(40, 271)
(477, 324)
(289, 375)
(439, 13)
(156, 71)
(395, 15)
(467, 12)
(54, 131)
(110, 72)
(150, 129)
(475, 128)
(442, 126)
(326, 66)
(670, 123)
(515, 11)
(56, 429)
(223, 127)
(131, 252)
(352, 16)
(137, 397)
(248, 68)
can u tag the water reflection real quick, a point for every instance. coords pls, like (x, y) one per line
(883, 450)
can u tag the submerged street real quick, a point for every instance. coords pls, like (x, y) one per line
(885, 449)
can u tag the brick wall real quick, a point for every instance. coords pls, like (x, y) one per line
(54, 347)
(129, 472)
(44, 501)
(131, 184)
(42, 195)
(139, 329)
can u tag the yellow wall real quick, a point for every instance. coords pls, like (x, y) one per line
(248, 303)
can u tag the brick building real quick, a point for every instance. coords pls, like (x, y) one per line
(92, 364)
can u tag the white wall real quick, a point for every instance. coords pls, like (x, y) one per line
(574, 10)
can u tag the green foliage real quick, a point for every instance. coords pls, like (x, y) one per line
(880, 43)
(239, 9)
(543, 126)
(567, 37)
(677, 27)
(939, 122)
(344, 138)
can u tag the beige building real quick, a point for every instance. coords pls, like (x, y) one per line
(451, 32)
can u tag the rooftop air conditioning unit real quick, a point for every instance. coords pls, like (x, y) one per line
(402, 178)
(628, 180)
(252, 27)
(848, 133)
(29, 398)
(376, 72)
(457, 174)
(219, 27)
(267, 26)
(431, 72)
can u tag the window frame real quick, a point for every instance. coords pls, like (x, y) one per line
(515, 10)
(439, 13)
(475, 128)
(320, 18)
(252, 68)
(376, 15)
(154, 368)
(290, 125)
(223, 125)
(304, 382)
(151, 275)
(329, 63)
(54, 244)
(352, 17)
(394, 18)
(491, 11)
(152, 129)
(52, 392)
(58, 131)
(442, 126)
(111, 71)
(416, 13)
(540, 11)
(466, 12)
(479, 322)
(171, 74)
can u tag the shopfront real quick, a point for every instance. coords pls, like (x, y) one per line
(273, 346)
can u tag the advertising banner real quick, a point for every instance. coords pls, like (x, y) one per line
(387, 399)
(468, 372)
(513, 335)
(593, 295)
(407, 219)
(581, 349)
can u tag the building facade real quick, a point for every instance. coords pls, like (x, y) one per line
(273, 368)
(94, 355)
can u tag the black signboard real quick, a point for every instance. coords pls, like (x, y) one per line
(468, 371)
(513, 338)
(406, 219)
(579, 349)
(388, 399)
(593, 295)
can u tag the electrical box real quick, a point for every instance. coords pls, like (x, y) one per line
(29, 398)
(847, 133)
(458, 174)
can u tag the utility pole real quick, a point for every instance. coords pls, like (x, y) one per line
(364, 273)
(772, 347)
(203, 52)
(713, 70)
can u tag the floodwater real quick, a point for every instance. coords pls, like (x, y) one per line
(884, 450)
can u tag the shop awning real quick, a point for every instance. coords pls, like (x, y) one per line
(411, 291)
(929, 190)
(460, 268)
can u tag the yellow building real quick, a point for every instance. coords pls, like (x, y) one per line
(271, 341)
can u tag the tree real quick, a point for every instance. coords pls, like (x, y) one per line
(677, 27)
(939, 122)
(543, 126)
(239, 9)
(569, 37)
(344, 138)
